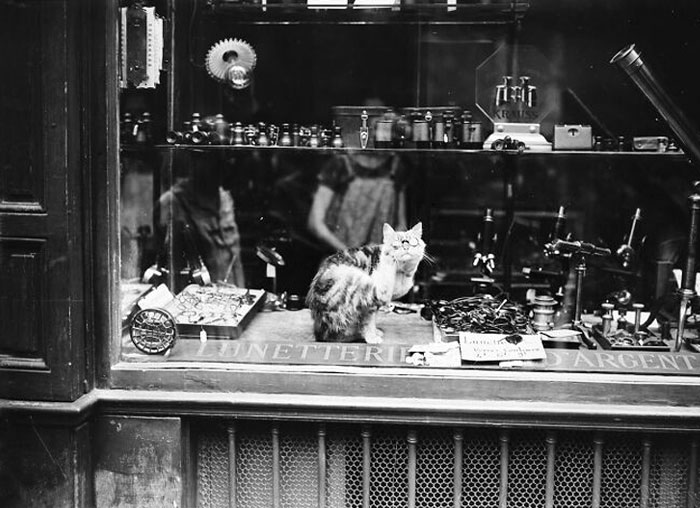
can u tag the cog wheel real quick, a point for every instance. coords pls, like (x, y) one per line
(231, 57)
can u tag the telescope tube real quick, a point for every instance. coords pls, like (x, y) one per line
(630, 61)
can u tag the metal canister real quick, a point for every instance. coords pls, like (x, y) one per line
(543, 312)
(420, 133)
(383, 133)
(472, 134)
(438, 138)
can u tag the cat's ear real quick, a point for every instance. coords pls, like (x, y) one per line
(389, 233)
(417, 230)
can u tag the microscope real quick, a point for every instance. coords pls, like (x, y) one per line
(578, 252)
(485, 259)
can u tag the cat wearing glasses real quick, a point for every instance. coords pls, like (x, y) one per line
(350, 286)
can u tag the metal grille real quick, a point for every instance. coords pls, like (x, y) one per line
(480, 469)
(253, 467)
(527, 468)
(298, 467)
(573, 471)
(212, 470)
(344, 468)
(389, 469)
(289, 465)
(435, 468)
(622, 467)
(668, 477)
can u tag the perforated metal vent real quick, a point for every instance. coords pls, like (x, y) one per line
(290, 465)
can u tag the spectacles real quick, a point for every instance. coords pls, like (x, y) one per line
(405, 243)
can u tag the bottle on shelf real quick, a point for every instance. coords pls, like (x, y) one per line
(285, 136)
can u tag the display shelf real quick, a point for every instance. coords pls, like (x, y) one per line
(300, 12)
(578, 154)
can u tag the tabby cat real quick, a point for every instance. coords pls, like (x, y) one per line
(350, 286)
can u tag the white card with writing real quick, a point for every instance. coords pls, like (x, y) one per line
(493, 347)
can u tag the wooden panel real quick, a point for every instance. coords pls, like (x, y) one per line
(22, 292)
(138, 462)
(43, 465)
(42, 114)
(21, 184)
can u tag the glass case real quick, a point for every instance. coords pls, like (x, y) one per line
(274, 133)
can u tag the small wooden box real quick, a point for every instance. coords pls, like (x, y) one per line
(220, 311)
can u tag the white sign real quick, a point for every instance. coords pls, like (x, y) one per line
(493, 347)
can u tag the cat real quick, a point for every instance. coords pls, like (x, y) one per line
(350, 286)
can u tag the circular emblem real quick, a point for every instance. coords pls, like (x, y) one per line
(153, 331)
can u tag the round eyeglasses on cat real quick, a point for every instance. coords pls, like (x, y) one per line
(406, 243)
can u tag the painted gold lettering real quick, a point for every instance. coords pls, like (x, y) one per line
(281, 352)
(553, 359)
(305, 350)
(259, 349)
(627, 360)
(373, 353)
(580, 357)
(648, 361)
(686, 359)
(604, 358)
(327, 354)
(669, 362)
(348, 353)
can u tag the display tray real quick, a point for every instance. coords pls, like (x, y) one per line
(214, 312)
(609, 343)
(551, 339)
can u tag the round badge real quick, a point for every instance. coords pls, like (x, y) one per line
(153, 331)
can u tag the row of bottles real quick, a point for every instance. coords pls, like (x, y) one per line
(216, 130)
(428, 128)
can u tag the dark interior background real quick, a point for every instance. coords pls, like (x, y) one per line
(304, 69)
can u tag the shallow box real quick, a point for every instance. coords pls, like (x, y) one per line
(221, 312)
(349, 119)
(573, 137)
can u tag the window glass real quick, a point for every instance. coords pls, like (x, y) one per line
(548, 186)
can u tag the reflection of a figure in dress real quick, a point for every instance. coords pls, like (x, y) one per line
(200, 204)
(357, 193)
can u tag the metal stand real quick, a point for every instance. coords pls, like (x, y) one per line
(687, 290)
(579, 251)
(577, 323)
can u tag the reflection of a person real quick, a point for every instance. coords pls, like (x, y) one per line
(357, 193)
(201, 203)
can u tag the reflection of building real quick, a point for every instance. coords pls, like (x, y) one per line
(87, 422)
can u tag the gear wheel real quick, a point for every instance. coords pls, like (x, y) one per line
(231, 57)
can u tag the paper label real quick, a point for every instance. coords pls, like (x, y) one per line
(493, 347)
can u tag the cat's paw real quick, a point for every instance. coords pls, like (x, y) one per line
(373, 337)
(379, 332)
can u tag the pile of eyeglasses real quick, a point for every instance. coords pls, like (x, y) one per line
(479, 314)
(211, 304)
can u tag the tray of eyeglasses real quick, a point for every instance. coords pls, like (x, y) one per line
(220, 311)
(624, 339)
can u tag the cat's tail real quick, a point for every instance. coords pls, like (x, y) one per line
(341, 300)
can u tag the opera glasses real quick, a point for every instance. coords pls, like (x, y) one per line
(216, 130)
